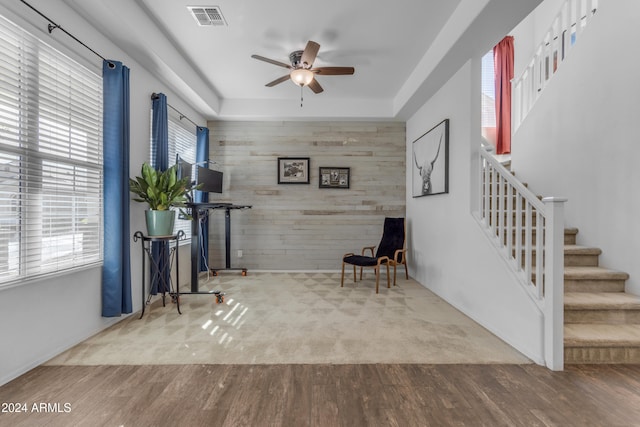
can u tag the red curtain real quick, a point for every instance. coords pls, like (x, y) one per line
(503, 65)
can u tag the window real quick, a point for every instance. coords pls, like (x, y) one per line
(50, 159)
(488, 98)
(182, 142)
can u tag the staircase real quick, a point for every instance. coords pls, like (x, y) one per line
(602, 321)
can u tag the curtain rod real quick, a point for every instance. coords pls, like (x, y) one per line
(52, 26)
(182, 116)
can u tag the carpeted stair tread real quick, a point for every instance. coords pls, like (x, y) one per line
(600, 335)
(581, 250)
(593, 273)
(578, 250)
(570, 230)
(600, 301)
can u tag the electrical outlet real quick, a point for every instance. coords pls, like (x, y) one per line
(239, 253)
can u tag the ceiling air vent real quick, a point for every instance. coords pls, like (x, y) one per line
(206, 16)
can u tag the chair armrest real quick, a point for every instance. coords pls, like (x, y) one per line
(402, 252)
(371, 248)
(348, 254)
(383, 260)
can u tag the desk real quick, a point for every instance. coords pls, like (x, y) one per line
(195, 235)
(146, 243)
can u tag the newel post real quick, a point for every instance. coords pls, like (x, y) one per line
(554, 283)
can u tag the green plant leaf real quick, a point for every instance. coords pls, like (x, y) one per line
(161, 190)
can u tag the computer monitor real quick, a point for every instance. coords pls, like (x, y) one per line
(210, 181)
(184, 168)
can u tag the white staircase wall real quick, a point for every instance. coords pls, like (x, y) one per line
(581, 140)
(448, 252)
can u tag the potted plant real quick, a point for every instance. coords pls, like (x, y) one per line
(161, 190)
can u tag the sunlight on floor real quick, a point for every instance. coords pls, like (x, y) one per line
(229, 318)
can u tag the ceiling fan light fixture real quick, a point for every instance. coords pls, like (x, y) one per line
(301, 76)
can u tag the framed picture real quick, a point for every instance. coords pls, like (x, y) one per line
(431, 161)
(333, 177)
(293, 170)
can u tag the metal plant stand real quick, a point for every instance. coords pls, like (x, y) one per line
(160, 271)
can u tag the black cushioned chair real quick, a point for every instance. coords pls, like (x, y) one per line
(391, 251)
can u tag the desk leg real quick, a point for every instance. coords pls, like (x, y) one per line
(178, 277)
(227, 238)
(195, 242)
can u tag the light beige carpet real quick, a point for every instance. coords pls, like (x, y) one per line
(272, 318)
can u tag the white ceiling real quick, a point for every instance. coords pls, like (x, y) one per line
(398, 50)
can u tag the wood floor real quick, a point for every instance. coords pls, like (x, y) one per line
(324, 395)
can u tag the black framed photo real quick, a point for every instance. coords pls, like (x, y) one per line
(431, 161)
(334, 177)
(293, 170)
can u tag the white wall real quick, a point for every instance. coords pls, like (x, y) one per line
(448, 252)
(41, 318)
(580, 141)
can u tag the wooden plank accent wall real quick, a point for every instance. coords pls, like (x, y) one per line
(299, 226)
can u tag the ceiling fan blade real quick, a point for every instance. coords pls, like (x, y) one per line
(315, 86)
(309, 54)
(278, 81)
(271, 61)
(334, 71)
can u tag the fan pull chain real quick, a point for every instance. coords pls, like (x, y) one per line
(301, 99)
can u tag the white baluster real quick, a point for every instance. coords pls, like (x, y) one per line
(556, 46)
(571, 13)
(562, 33)
(540, 277)
(580, 13)
(494, 201)
(486, 183)
(509, 199)
(546, 57)
(527, 243)
(518, 231)
(588, 12)
(500, 208)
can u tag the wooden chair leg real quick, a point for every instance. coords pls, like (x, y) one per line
(342, 278)
(388, 279)
(394, 273)
(406, 269)
(354, 274)
(377, 277)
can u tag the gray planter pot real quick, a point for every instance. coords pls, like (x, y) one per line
(160, 223)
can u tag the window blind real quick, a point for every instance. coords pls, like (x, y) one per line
(50, 159)
(183, 143)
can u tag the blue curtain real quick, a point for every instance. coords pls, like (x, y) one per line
(160, 150)
(160, 132)
(116, 268)
(202, 155)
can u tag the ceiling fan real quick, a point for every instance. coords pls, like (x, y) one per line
(301, 71)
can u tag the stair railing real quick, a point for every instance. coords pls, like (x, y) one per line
(558, 41)
(529, 233)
